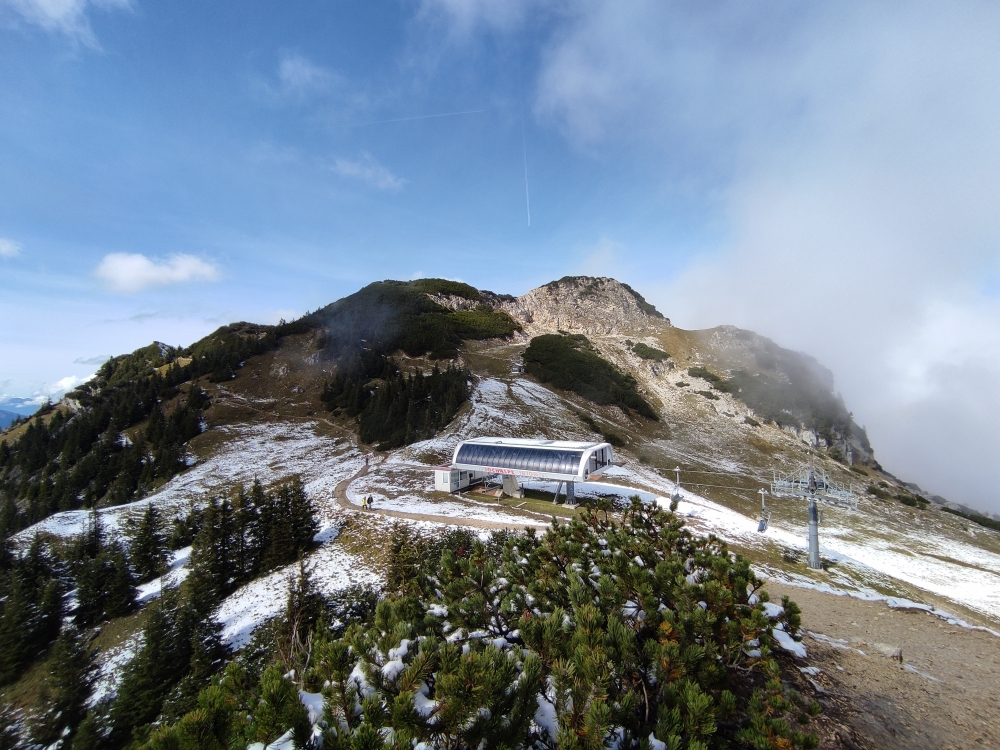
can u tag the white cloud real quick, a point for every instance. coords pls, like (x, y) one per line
(65, 384)
(466, 16)
(68, 17)
(132, 272)
(368, 170)
(47, 392)
(297, 74)
(298, 80)
(100, 359)
(9, 248)
(852, 150)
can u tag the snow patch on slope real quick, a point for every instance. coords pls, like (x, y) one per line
(268, 452)
(333, 569)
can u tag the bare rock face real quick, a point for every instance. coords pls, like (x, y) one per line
(583, 304)
(454, 302)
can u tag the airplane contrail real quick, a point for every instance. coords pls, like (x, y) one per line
(422, 117)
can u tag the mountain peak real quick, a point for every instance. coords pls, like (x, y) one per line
(586, 304)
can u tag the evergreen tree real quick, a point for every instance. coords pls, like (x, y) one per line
(629, 633)
(301, 516)
(148, 547)
(259, 539)
(304, 608)
(50, 613)
(181, 649)
(120, 591)
(70, 679)
(148, 677)
(16, 621)
(30, 609)
(9, 738)
(105, 587)
(212, 573)
(276, 516)
(246, 530)
(90, 542)
(9, 522)
(279, 711)
(89, 735)
(205, 654)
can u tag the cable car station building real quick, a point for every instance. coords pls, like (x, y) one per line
(562, 461)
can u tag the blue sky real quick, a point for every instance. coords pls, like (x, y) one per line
(822, 173)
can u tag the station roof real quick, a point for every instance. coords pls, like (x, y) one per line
(566, 460)
(535, 443)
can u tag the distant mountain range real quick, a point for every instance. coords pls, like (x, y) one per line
(7, 417)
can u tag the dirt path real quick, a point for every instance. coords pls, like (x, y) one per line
(944, 695)
(340, 492)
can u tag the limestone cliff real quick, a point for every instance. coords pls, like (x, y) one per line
(583, 304)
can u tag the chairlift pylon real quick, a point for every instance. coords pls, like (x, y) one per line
(815, 486)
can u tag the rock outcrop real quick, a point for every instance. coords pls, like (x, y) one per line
(583, 304)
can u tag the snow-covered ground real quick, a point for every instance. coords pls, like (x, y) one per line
(110, 666)
(405, 487)
(874, 556)
(519, 408)
(961, 572)
(332, 569)
(876, 548)
(268, 452)
(173, 577)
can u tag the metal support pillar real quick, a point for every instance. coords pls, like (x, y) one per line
(555, 499)
(571, 493)
(814, 534)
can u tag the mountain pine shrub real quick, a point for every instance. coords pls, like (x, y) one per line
(571, 363)
(603, 632)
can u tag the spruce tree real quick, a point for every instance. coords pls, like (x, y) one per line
(246, 529)
(148, 547)
(212, 574)
(70, 679)
(200, 647)
(105, 587)
(50, 613)
(277, 516)
(302, 521)
(9, 737)
(148, 677)
(16, 622)
(304, 608)
(119, 594)
(259, 538)
(8, 517)
(89, 735)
